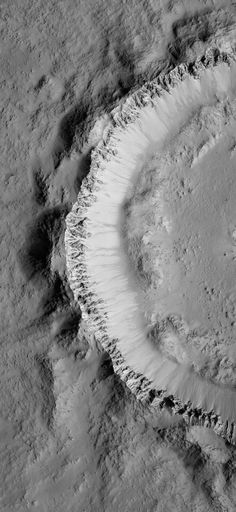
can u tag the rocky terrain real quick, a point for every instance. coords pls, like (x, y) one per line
(73, 435)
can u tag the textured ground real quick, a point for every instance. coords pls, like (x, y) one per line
(72, 436)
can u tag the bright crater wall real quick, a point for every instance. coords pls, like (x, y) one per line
(150, 242)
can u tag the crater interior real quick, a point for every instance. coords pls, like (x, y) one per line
(180, 232)
(152, 236)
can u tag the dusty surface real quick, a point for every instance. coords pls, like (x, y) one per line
(72, 436)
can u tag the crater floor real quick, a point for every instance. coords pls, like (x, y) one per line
(181, 239)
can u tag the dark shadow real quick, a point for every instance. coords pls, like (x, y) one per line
(39, 185)
(66, 328)
(48, 403)
(105, 368)
(34, 256)
(54, 298)
(63, 141)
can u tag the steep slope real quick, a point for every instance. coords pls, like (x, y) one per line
(99, 271)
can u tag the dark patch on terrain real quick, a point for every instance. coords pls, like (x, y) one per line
(105, 368)
(73, 120)
(47, 384)
(66, 328)
(194, 459)
(55, 297)
(229, 467)
(126, 61)
(168, 402)
(44, 233)
(39, 183)
(83, 170)
(40, 84)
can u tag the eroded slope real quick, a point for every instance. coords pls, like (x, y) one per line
(99, 270)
